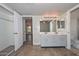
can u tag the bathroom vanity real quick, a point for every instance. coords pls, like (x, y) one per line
(53, 32)
(52, 40)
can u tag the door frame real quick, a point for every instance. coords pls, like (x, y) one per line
(68, 15)
(31, 25)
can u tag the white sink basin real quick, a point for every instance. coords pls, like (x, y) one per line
(52, 33)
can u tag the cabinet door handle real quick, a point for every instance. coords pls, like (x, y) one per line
(15, 33)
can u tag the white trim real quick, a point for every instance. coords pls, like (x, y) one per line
(68, 31)
(7, 8)
(75, 7)
(36, 43)
(29, 15)
(51, 25)
(68, 25)
(26, 15)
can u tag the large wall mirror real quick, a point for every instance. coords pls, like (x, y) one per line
(44, 26)
(54, 26)
(49, 24)
(60, 24)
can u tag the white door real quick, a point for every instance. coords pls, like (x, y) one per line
(18, 34)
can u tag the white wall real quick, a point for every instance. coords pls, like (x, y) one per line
(67, 15)
(6, 31)
(36, 30)
(74, 28)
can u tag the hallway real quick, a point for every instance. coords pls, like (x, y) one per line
(29, 50)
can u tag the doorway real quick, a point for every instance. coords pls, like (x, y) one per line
(74, 28)
(28, 30)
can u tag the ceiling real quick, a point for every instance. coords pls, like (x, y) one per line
(40, 8)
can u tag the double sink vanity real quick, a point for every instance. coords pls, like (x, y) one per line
(53, 40)
(53, 33)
